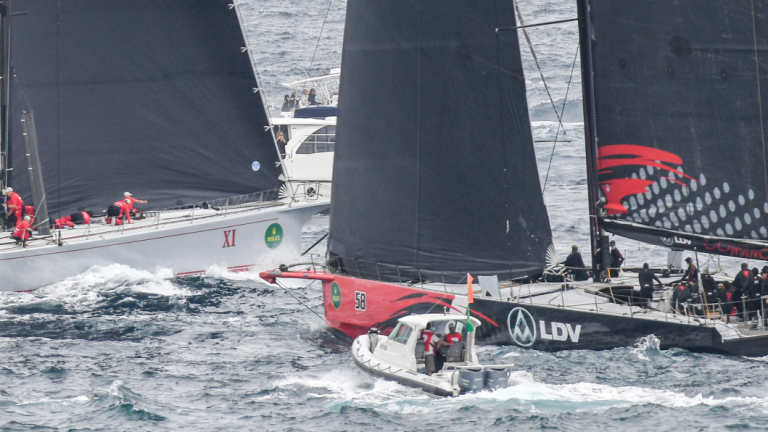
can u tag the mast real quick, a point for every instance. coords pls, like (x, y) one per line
(590, 140)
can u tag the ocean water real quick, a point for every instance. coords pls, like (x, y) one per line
(121, 349)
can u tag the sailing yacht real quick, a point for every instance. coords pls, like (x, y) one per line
(675, 143)
(132, 96)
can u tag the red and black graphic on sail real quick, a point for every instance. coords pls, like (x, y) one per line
(617, 163)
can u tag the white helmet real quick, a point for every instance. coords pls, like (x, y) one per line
(27, 218)
(7, 190)
(127, 194)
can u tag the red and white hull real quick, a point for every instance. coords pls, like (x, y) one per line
(185, 241)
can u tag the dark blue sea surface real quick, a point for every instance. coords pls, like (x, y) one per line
(120, 349)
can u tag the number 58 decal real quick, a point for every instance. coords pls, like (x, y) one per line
(359, 300)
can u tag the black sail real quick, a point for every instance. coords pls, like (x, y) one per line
(155, 97)
(676, 99)
(434, 171)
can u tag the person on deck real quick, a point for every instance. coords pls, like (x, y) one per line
(575, 264)
(741, 285)
(753, 294)
(120, 210)
(597, 259)
(132, 202)
(287, 105)
(14, 206)
(77, 218)
(452, 336)
(646, 277)
(23, 231)
(312, 97)
(430, 344)
(617, 259)
(691, 273)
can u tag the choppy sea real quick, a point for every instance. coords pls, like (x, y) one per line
(121, 349)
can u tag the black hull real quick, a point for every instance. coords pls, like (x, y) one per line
(555, 329)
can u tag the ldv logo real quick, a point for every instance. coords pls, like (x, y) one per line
(229, 238)
(524, 330)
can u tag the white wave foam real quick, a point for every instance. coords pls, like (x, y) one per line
(346, 386)
(524, 391)
(87, 288)
(64, 401)
(586, 396)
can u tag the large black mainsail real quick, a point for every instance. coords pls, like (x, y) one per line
(434, 170)
(156, 97)
(676, 97)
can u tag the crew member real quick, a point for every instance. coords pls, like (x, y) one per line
(741, 285)
(691, 273)
(646, 277)
(119, 210)
(575, 264)
(430, 343)
(617, 259)
(77, 218)
(23, 231)
(681, 294)
(452, 336)
(132, 201)
(14, 206)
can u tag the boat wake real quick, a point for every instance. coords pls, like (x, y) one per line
(525, 393)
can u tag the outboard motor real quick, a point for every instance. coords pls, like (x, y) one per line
(470, 379)
(373, 338)
(496, 377)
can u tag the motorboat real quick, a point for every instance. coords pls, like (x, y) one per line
(400, 356)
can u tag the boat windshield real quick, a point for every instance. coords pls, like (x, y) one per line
(401, 333)
(322, 141)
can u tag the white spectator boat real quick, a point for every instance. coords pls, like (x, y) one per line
(400, 357)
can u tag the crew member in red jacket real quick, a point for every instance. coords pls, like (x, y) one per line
(453, 336)
(129, 196)
(23, 231)
(77, 218)
(119, 210)
(14, 206)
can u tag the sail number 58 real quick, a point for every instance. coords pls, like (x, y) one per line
(359, 300)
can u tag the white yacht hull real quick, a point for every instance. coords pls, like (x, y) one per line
(186, 242)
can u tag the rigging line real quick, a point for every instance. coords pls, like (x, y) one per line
(289, 291)
(562, 110)
(498, 29)
(538, 66)
(315, 244)
(759, 96)
(320, 36)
